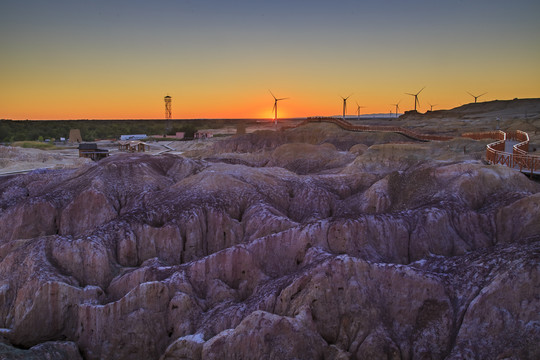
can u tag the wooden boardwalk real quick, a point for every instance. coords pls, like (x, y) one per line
(376, 128)
(511, 148)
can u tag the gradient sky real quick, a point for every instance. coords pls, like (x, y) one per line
(97, 59)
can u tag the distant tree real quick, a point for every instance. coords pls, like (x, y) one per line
(89, 135)
(189, 130)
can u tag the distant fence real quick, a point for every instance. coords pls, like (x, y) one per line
(378, 128)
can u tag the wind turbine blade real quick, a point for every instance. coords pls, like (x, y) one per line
(283, 99)
(470, 94)
(271, 94)
(410, 94)
(482, 94)
(420, 91)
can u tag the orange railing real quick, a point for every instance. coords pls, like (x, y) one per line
(521, 148)
(518, 159)
(379, 128)
(498, 134)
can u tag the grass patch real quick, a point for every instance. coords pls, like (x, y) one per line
(36, 145)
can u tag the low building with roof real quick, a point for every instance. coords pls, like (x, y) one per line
(133, 146)
(91, 151)
(133, 137)
(179, 135)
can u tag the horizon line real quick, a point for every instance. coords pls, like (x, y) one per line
(268, 118)
(194, 119)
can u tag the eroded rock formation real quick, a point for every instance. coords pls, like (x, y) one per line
(304, 251)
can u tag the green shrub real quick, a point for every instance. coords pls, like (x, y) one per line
(35, 145)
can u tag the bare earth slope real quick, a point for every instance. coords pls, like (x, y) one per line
(517, 114)
(295, 245)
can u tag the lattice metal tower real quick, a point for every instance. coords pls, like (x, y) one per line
(168, 113)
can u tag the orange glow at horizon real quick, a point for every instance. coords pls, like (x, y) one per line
(151, 106)
(139, 96)
(100, 60)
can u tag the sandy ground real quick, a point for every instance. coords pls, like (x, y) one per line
(14, 160)
(17, 160)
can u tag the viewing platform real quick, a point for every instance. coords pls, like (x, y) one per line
(511, 149)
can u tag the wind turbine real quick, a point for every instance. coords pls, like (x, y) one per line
(476, 97)
(358, 109)
(397, 107)
(345, 105)
(432, 106)
(416, 97)
(274, 109)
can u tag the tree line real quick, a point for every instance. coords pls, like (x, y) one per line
(91, 130)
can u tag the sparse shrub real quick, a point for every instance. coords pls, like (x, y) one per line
(35, 145)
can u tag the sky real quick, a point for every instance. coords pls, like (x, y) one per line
(117, 59)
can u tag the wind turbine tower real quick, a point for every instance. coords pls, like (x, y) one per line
(431, 106)
(345, 105)
(358, 109)
(274, 109)
(397, 107)
(476, 96)
(168, 113)
(416, 102)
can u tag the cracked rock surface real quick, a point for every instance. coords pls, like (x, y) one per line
(311, 248)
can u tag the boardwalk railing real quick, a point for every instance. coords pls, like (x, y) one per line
(522, 147)
(379, 128)
(518, 159)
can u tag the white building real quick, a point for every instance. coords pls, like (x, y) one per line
(133, 137)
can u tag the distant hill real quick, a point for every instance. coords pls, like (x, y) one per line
(496, 106)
